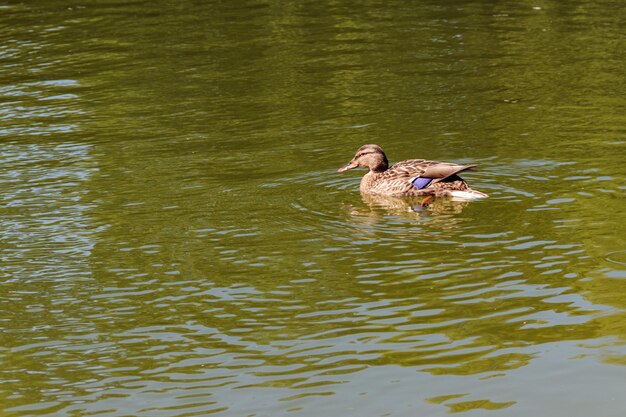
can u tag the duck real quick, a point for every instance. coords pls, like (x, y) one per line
(413, 177)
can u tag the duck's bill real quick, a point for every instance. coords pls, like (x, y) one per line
(346, 167)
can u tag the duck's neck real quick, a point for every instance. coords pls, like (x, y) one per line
(381, 166)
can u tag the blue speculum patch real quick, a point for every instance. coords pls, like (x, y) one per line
(421, 182)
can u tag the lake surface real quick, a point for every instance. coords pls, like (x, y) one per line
(175, 239)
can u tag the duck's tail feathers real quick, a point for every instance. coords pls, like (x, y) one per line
(467, 195)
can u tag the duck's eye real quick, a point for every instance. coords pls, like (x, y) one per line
(362, 154)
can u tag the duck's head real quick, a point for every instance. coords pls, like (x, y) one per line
(368, 156)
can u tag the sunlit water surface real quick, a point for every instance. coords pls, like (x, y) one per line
(175, 240)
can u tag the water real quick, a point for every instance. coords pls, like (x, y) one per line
(175, 240)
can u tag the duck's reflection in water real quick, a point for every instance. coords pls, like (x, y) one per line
(419, 205)
(436, 214)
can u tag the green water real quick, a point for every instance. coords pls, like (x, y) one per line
(175, 239)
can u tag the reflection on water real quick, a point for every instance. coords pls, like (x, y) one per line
(175, 240)
(398, 205)
(46, 229)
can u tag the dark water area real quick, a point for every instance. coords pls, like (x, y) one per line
(175, 239)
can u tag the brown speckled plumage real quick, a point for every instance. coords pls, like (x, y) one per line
(398, 180)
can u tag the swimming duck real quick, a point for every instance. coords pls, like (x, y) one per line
(413, 177)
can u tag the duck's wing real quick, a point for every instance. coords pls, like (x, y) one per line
(422, 173)
(430, 169)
